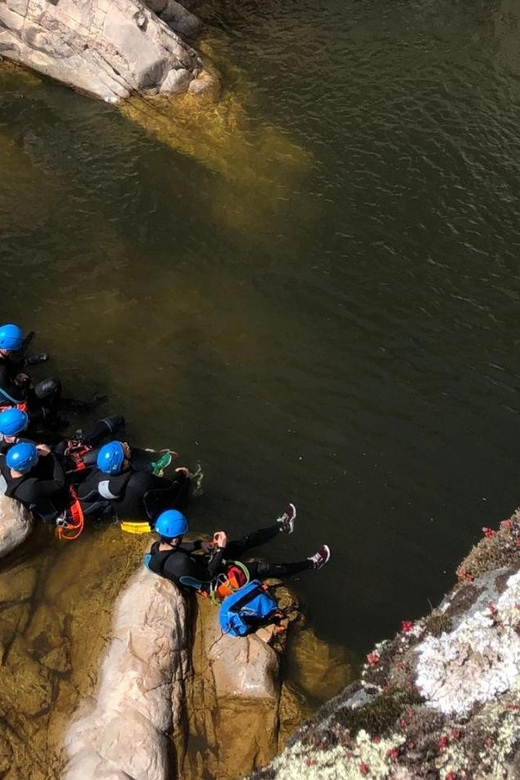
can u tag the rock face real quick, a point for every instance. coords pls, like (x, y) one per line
(440, 700)
(140, 696)
(107, 48)
(15, 525)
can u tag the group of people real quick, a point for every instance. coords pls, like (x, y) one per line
(95, 473)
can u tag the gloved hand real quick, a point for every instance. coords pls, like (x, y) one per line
(33, 360)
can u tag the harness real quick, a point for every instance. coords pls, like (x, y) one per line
(69, 526)
(234, 577)
(6, 401)
(76, 451)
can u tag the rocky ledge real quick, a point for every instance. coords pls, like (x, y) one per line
(177, 698)
(109, 49)
(439, 700)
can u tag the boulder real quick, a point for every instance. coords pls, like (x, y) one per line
(107, 48)
(15, 523)
(123, 732)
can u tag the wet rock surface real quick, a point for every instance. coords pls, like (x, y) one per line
(109, 49)
(441, 699)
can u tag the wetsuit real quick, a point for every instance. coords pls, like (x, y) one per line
(43, 489)
(42, 400)
(181, 561)
(132, 495)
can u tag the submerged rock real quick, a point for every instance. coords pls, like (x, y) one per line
(107, 48)
(15, 524)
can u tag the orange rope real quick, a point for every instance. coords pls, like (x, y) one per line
(77, 522)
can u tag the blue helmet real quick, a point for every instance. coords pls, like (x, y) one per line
(170, 524)
(13, 422)
(22, 457)
(11, 337)
(110, 457)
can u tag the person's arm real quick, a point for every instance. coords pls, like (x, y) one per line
(191, 546)
(215, 565)
(219, 547)
(10, 390)
(34, 489)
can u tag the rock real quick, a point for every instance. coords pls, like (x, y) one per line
(179, 19)
(140, 695)
(15, 520)
(319, 669)
(6, 756)
(440, 699)
(244, 667)
(107, 48)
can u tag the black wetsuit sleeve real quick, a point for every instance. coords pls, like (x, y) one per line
(33, 489)
(215, 565)
(191, 546)
(9, 391)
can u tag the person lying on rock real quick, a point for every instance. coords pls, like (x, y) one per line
(202, 562)
(35, 476)
(115, 486)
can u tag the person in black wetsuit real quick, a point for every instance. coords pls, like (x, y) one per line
(77, 452)
(201, 562)
(16, 389)
(35, 476)
(114, 486)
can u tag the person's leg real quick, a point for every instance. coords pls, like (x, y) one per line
(238, 547)
(283, 525)
(48, 393)
(108, 426)
(263, 571)
(258, 570)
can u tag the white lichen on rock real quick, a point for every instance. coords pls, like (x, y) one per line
(367, 757)
(475, 662)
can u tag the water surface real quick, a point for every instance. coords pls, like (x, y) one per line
(341, 332)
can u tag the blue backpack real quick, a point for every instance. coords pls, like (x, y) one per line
(248, 608)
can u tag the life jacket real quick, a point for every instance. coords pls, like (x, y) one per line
(248, 608)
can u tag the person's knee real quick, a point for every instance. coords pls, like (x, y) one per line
(47, 388)
(114, 423)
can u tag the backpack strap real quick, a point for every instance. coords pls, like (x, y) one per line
(247, 597)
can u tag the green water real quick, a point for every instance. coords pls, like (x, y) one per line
(330, 318)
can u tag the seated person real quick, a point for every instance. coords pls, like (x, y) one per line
(116, 487)
(13, 422)
(79, 453)
(75, 452)
(41, 400)
(35, 476)
(189, 563)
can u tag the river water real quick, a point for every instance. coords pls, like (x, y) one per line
(318, 301)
